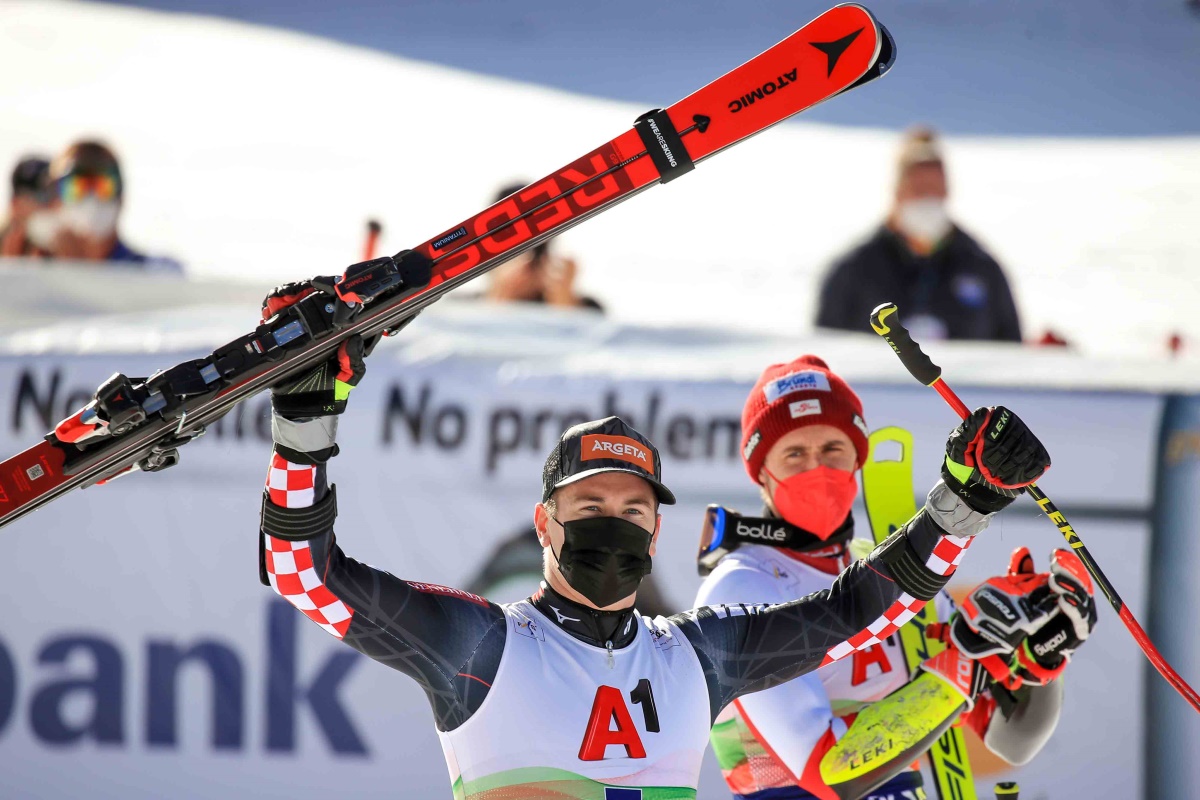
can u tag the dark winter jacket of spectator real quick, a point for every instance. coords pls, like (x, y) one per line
(958, 285)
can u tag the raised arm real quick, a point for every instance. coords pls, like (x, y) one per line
(448, 640)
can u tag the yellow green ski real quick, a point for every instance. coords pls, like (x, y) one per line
(888, 494)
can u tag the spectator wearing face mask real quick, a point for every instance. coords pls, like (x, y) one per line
(26, 208)
(947, 285)
(87, 193)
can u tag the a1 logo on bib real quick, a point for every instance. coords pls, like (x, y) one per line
(610, 722)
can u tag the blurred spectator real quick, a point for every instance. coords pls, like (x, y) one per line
(87, 191)
(537, 276)
(27, 210)
(944, 282)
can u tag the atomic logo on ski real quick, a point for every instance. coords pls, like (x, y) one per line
(766, 90)
(833, 50)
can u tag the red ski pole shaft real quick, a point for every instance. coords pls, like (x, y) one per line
(374, 228)
(885, 320)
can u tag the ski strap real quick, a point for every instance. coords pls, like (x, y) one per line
(665, 144)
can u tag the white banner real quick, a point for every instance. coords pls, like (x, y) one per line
(141, 658)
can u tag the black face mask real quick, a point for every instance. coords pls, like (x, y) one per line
(604, 558)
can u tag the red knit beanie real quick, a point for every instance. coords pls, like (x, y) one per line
(790, 396)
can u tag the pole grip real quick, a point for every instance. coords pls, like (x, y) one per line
(1007, 790)
(885, 320)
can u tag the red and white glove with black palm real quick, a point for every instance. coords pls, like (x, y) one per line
(1018, 628)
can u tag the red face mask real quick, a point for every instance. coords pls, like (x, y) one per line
(816, 500)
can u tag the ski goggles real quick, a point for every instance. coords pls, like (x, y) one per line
(72, 188)
(725, 530)
(711, 538)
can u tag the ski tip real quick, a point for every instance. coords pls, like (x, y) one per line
(887, 52)
(885, 55)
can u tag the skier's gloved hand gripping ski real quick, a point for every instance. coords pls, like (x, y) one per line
(305, 411)
(141, 423)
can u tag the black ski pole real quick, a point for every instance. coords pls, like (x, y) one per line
(885, 320)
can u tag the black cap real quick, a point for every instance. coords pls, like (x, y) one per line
(30, 176)
(604, 445)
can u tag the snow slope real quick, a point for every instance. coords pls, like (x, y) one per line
(1028, 67)
(258, 154)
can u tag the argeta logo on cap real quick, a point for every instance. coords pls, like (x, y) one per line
(622, 448)
(806, 381)
(804, 408)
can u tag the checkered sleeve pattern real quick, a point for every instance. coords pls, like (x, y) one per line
(946, 556)
(291, 485)
(290, 567)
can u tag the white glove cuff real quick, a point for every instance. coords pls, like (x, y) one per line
(308, 436)
(952, 514)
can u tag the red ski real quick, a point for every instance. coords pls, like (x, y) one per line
(140, 423)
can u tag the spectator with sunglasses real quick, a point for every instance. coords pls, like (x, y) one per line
(87, 192)
(26, 207)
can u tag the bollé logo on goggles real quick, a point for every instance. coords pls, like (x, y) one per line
(622, 448)
(763, 531)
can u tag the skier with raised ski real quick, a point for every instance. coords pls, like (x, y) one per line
(804, 438)
(622, 704)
